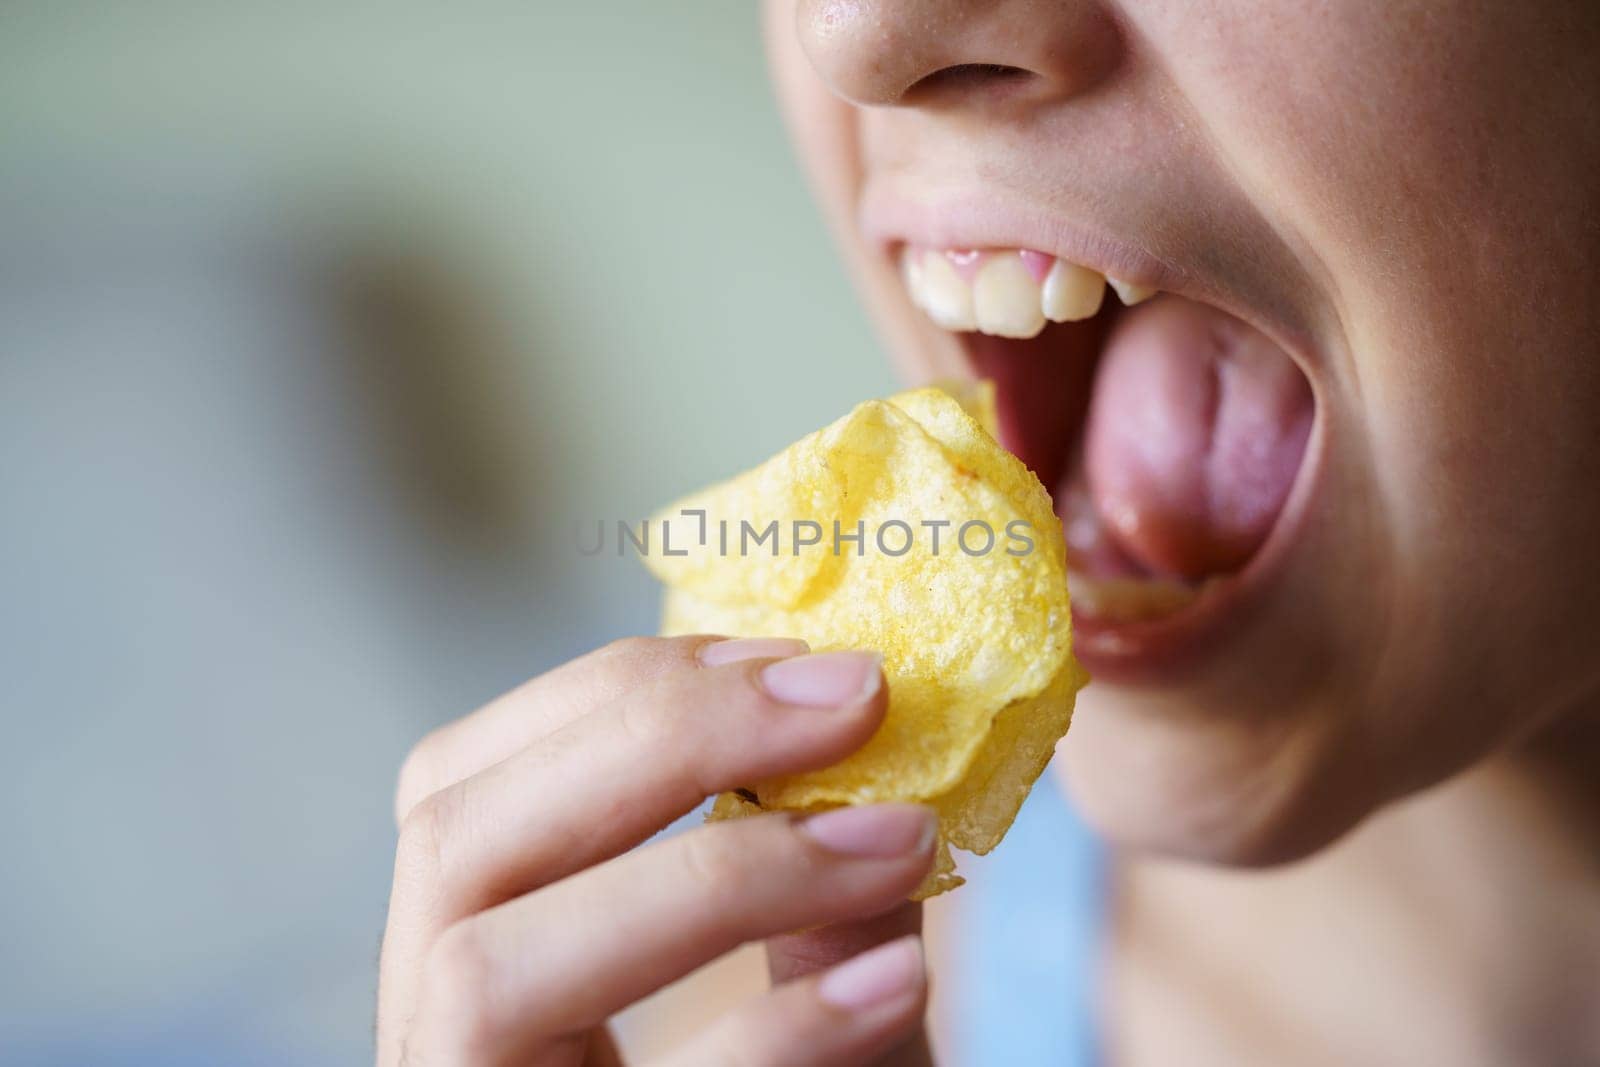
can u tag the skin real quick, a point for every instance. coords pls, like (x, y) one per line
(519, 921)
(1316, 162)
(1402, 196)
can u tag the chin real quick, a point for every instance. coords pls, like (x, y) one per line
(1159, 775)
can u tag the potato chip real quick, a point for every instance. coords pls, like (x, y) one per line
(903, 527)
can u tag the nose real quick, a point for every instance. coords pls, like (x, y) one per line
(958, 53)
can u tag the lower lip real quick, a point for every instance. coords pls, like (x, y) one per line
(1171, 649)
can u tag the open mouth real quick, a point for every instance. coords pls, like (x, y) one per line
(1169, 432)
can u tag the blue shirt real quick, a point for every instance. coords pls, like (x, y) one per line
(1031, 941)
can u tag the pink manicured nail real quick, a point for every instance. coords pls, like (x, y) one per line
(877, 831)
(824, 679)
(735, 649)
(880, 974)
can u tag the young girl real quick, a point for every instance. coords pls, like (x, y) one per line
(1327, 454)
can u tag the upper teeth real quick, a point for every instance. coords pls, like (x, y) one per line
(942, 293)
(1007, 299)
(1003, 296)
(1129, 293)
(1072, 292)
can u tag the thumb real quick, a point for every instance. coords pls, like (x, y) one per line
(792, 955)
(800, 953)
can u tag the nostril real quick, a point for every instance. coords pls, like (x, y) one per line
(958, 54)
(965, 78)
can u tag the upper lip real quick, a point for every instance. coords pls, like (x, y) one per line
(969, 221)
(993, 219)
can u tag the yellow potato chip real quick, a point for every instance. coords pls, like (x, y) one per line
(903, 527)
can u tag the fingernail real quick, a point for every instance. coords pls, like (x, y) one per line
(876, 831)
(877, 975)
(824, 679)
(716, 653)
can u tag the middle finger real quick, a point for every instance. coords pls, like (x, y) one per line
(563, 959)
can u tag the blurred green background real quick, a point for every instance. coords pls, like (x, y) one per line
(320, 328)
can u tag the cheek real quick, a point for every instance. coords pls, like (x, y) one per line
(1435, 162)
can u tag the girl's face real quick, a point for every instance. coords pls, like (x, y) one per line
(1333, 496)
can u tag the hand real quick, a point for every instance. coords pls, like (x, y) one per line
(519, 921)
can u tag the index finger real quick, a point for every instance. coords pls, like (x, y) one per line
(539, 707)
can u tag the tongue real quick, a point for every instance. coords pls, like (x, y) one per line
(1197, 429)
